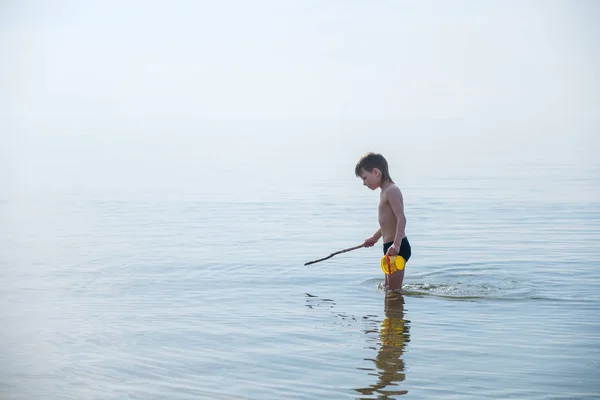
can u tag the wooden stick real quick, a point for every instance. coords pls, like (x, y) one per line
(333, 254)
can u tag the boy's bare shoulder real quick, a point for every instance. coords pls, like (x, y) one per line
(393, 190)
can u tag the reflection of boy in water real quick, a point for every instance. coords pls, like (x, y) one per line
(393, 336)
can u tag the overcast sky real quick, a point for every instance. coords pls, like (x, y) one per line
(314, 59)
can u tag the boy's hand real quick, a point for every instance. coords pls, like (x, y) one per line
(370, 242)
(393, 250)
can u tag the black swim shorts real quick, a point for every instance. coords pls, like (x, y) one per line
(404, 251)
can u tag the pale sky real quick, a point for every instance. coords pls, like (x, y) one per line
(301, 59)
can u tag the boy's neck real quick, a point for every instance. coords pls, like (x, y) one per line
(385, 184)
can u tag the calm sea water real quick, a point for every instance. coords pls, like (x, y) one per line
(168, 264)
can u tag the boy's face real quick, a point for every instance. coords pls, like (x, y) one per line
(371, 179)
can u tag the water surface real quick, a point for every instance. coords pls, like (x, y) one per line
(171, 266)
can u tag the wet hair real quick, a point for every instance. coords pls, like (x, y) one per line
(370, 161)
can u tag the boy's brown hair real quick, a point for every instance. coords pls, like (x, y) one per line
(370, 161)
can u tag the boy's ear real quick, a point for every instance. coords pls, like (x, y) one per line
(377, 172)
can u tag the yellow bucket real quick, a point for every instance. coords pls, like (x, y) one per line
(392, 264)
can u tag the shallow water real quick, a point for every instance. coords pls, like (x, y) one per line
(170, 275)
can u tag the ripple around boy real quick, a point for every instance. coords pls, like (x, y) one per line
(373, 169)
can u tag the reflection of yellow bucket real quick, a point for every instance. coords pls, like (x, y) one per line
(392, 332)
(391, 264)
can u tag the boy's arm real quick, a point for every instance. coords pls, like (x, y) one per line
(394, 196)
(377, 235)
(373, 239)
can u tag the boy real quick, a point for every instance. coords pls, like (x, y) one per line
(372, 168)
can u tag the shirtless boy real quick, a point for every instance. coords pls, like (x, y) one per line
(372, 168)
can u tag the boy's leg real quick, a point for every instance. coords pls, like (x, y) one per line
(395, 279)
(386, 281)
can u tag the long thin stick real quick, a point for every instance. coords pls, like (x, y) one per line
(333, 254)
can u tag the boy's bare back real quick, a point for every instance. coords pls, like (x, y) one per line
(391, 214)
